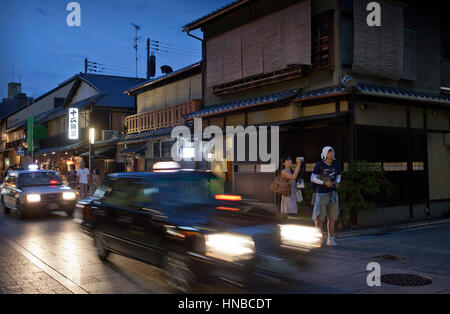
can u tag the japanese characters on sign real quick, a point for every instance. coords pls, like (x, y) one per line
(73, 124)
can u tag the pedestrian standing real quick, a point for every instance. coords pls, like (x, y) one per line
(289, 203)
(327, 177)
(83, 180)
(72, 177)
(94, 182)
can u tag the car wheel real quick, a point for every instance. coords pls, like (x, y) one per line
(69, 212)
(5, 209)
(100, 245)
(19, 213)
(178, 273)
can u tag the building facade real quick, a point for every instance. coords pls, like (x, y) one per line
(13, 139)
(318, 71)
(102, 107)
(161, 105)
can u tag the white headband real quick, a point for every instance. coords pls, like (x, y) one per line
(325, 151)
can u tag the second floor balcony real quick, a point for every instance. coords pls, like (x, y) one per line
(161, 118)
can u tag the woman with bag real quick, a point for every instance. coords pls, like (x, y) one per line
(289, 200)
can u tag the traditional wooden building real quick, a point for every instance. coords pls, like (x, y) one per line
(13, 135)
(161, 104)
(103, 107)
(318, 71)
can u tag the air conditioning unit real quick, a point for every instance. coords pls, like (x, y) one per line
(447, 139)
(109, 134)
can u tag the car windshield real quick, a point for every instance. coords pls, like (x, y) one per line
(171, 191)
(186, 189)
(39, 179)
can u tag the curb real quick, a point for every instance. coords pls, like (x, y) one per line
(391, 228)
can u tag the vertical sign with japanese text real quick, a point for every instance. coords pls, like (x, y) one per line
(73, 124)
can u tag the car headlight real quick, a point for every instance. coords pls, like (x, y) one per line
(33, 198)
(69, 196)
(229, 247)
(300, 237)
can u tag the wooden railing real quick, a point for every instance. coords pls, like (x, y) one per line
(161, 118)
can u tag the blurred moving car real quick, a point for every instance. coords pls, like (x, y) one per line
(36, 191)
(177, 221)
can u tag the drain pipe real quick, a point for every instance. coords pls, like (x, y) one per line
(193, 36)
(187, 30)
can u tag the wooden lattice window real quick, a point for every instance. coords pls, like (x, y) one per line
(322, 40)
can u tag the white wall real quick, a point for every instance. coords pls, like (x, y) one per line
(84, 91)
(42, 105)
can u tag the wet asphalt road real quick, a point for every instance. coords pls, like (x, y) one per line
(51, 254)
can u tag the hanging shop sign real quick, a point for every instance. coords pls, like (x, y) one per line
(73, 123)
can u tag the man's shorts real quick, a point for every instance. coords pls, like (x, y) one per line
(328, 209)
(84, 190)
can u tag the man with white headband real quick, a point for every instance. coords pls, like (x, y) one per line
(327, 176)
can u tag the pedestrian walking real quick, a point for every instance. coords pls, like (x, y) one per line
(83, 180)
(94, 182)
(327, 177)
(289, 202)
(72, 177)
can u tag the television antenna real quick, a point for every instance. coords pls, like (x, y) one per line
(136, 38)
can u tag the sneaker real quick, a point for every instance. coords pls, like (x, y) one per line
(331, 242)
(324, 240)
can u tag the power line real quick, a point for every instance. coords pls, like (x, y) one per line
(176, 52)
(164, 48)
(174, 45)
(174, 48)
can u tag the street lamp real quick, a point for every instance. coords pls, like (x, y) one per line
(92, 135)
(91, 143)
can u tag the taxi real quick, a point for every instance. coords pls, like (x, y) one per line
(180, 221)
(34, 191)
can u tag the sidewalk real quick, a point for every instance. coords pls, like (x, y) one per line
(391, 228)
(360, 232)
(20, 276)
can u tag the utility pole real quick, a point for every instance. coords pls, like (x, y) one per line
(148, 58)
(136, 38)
(91, 66)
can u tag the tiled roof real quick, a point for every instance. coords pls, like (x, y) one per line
(218, 11)
(61, 148)
(392, 92)
(134, 150)
(135, 137)
(112, 89)
(162, 78)
(111, 94)
(11, 106)
(240, 104)
(359, 88)
(323, 92)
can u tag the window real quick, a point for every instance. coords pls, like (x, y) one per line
(445, 36)
(156, 150)
(347, 40)
(167, 148)
(187, 189)
(322, 40)
(120, 192)
(127, 193)
(446, 49)
(409, 55)
(39, 179)
(11, 181)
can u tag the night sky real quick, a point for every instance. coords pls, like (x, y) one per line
(39, 49)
